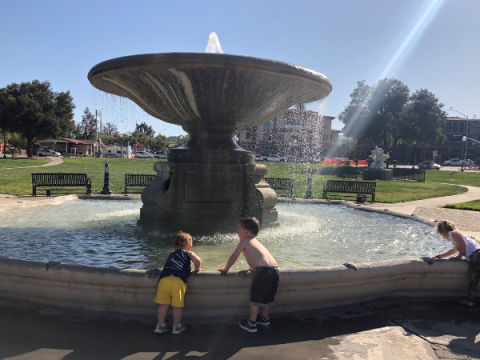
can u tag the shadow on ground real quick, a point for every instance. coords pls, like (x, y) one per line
(31, 331)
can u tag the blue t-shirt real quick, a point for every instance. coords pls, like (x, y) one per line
(178, 264)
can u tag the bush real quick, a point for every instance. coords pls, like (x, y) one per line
(347, 163)
(79, 153)
(14, 152)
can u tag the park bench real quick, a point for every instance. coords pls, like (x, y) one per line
(282, 184)
(350, 187)
(138, 180)
(60, 180)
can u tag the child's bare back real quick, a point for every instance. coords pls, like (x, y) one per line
(256, 254)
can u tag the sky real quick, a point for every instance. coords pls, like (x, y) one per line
(426, 44)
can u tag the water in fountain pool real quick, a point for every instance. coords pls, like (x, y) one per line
(106, 234)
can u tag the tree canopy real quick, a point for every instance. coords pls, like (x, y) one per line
(388, 114)
(35, 111)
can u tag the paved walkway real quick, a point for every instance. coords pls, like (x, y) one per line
(389, 329)
(53, 161)
(467, 221)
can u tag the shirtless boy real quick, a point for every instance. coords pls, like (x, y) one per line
(266, 276)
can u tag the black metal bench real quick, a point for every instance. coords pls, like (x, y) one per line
(349, 187)
(60, 180)
(138, 180)
(283, 184)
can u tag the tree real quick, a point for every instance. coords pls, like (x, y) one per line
(387, 114)
(158, 143)
(35, 111)
(88, 126)
(145, 129)
(109, 129)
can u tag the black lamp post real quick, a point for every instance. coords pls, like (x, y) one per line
(4, 144)
(106, 181)
(414, 153)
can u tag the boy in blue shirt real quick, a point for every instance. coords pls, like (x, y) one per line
(173, 283)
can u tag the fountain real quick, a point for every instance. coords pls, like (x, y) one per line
(210, 182)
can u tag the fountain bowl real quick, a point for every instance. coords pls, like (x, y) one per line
(209, 93)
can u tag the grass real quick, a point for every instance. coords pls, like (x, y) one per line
(470, 205)
(386, 191)
(19, 162)
(453, 177)
(18, 181)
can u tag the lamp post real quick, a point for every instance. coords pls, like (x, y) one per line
(106, 181)
(465, 137)
(414, 154)
(4, 144)
(464, 162)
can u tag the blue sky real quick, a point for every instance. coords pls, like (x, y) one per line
(432, 44)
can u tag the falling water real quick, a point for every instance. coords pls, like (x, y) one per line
(213, 45)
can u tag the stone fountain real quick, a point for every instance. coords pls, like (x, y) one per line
(210, 182)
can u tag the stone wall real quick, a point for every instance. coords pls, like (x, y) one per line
(212, 294)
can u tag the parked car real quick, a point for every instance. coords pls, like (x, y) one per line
(115, 153)
(430, 164)
(47, 152)
(452, 162)
(458, 162)
(143, 154)
(160, 155)
(273, 158)
(258, 158)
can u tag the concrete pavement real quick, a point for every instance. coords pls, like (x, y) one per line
(388, 329)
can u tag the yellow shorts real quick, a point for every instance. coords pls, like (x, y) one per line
(171, 290)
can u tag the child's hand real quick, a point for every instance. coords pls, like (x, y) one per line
(223, 270)
(438, 257)
(198, 270)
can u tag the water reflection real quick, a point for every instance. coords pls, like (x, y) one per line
(106, 234)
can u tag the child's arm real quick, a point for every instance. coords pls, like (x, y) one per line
(196, 261)
(448, 253)
(233, 257)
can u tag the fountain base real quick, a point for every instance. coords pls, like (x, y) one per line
(207, 197)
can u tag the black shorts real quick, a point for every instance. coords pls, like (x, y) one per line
(264, 285)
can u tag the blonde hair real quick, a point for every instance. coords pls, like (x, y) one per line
(183, 240)
(445, 226)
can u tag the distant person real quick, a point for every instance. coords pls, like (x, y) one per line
(266, 277)
(173, 283)
(465, 246)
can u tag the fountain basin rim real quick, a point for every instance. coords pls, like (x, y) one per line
(207, 60)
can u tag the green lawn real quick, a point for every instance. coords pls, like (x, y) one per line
(470, 205)
(19, 162)
(18, 181)
(453, 177)
(386, 191)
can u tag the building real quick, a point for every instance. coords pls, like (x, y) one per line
(454, 129)
(65, 145)
(296, 133)
(453, 147)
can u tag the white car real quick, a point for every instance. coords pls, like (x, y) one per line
(48, 152)
(273, 158)
(160, 155)
(457, 162)
(258, 158)
(453, 162)
(429, 165)
(143, 154)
